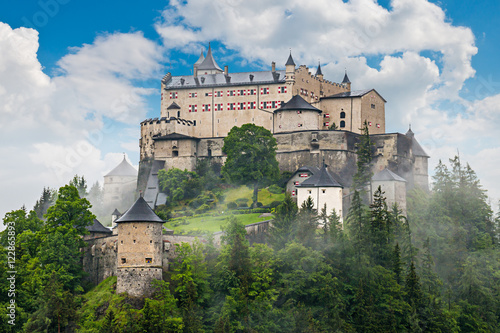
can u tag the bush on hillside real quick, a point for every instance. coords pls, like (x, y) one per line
(232, 205)
(275, 189)
(275, 204)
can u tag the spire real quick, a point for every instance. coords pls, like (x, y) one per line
(410, 132)
(290, 60)
(346, 78)
(318, 71)
(200, 59)
(209, 62)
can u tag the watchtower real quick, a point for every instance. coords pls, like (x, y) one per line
(139, 250)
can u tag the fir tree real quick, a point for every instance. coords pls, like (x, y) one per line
(283, 227)
(363, 174)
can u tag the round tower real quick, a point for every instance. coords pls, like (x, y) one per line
(296, 115)
(139, 250)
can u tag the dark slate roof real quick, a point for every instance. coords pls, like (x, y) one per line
(173, 106)
(200, 59)
(355, 93)
(320, 179)
(297, 103)
(123, 169)
(116, 212)
(387, 175)
(209, 62)
(346, 78)
(219, 80)
(290, 60)
(140, 212)
(318, 71)
(175, 136)
(98, 227)
(311, 169)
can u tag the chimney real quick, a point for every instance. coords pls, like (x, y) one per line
(226, 70)
(195, 71)
(273, 66)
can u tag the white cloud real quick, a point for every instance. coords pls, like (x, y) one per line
(55, 127)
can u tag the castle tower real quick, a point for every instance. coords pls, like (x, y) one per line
(290, 70)
(394, 187)
(197, 63)
(420, 163)
(346, 81)
(295, 115)
(139, 250)
(119, 186)
(319, 73)
(208, 65)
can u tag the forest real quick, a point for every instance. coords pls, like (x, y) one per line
(434, 269)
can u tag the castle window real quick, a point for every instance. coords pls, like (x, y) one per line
(252, 91)
(178, 114)
(231, 106)
(342, 115)
(122, 242)
(134, 241)
(241, 106)
(230, 92)
(205, 108)
(309, 191)
(218, 94)
(191, 95)
(242, 92)
(323, 190)
(264, 91)
(218, 107)
(124, 260)
(193, 108)
(173, 95)
(373, 106)
(282, 90)
(175, 153)
(342, 124)
(251, 105)
(150, 242)
(209, 152)
(149, 260)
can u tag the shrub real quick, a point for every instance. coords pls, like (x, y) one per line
(202, 209)
(259, 204)
(275, 189)
(232, 205)
(242, 202)
(274, 204)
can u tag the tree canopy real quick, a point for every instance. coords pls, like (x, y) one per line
(251, 156)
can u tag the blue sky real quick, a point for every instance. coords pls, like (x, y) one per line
(75, 86)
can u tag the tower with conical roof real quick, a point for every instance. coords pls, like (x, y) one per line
(296, 115)
(197, 63)
(346, 81)
(140, 247)
(119, 187)
(319, 73)
(420, 163)
(208, 65)
(290, 70)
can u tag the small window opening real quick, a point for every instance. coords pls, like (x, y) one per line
(342, 115)
(342, 124)
(149, 260)
(175, 153)
(124, 260)
(324, 191)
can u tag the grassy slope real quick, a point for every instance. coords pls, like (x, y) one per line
(218, 216)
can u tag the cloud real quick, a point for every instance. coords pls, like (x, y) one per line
(55, 127)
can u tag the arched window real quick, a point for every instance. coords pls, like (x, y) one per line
(342, 115)
(342, 124)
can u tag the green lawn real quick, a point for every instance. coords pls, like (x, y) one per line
(209, 224)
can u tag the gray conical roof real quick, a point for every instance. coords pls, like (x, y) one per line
(415, 146)
(346, 78)
(297, 103)
(200, 59)
(387, 175)
(318, 71)
(98, 227)
(116, 212)
(320, 179)
(123, 169)
(290, 60)
(139, 212)
(209, 62)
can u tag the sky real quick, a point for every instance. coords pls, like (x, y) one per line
(77, 77)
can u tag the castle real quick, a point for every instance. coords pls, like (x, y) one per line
(312, 119)
(315, 122)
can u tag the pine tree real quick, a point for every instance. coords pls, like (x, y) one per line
(381, 233)
(307, 223)
(412, 288)
(284, 225)
(363, 174)
(397, 264)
